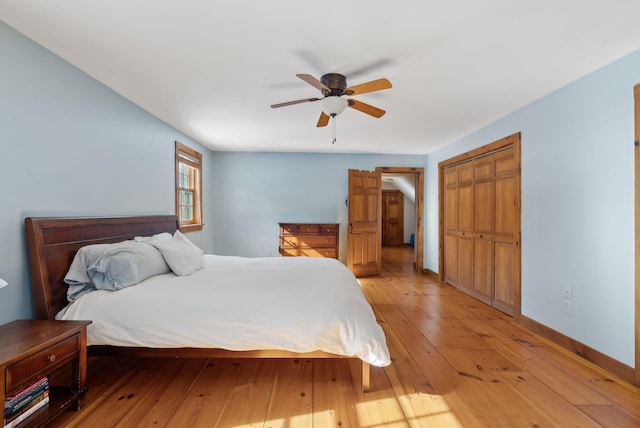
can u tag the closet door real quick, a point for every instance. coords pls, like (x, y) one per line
(480, 225)
(465, 226)
(451, 225)
(484, 210)
(506, 228)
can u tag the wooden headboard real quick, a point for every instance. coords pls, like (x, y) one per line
(52, 243)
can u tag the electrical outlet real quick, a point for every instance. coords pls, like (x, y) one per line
(567, 307)
(566, 292)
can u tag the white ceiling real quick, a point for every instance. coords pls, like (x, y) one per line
(212, 68)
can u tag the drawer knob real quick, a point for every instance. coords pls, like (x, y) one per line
(51, 358)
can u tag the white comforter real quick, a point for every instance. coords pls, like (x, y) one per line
(296, 304)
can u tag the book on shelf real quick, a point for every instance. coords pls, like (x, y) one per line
(22, 414)
(14, 402)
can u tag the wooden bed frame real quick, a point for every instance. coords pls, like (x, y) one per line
(52, 243)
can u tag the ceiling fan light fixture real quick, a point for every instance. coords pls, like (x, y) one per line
(333, 105)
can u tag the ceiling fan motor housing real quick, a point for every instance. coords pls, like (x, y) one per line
(334, 81)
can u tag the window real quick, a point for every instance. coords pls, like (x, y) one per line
(188, 188)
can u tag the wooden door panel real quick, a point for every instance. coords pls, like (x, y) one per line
(505, 162)
(483, 268)
(483, 168)
(465, 262)
(451, 177)
(451, 208)
(465, 197)
(451, 257)
(503, 275)
(484, 207)
(505, 222)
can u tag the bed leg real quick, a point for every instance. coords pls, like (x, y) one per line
(366, 376)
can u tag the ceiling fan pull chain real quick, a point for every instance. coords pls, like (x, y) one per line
(333, 139)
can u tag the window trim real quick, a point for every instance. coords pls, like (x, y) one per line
(187, 155)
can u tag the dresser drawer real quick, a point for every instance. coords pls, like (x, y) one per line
(329, 229)
(26, 371)
(301, 241)
(289, 229)
(311, 229)
(309, 252)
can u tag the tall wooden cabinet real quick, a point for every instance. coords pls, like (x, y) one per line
(480, 227)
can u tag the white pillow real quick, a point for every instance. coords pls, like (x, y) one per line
(183, 256)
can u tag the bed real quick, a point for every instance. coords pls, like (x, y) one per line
(52, 244)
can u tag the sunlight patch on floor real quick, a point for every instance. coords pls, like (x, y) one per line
(419, 409)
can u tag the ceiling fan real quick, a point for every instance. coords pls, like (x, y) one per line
(333, 86)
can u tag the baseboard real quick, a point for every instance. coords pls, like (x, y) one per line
(430, 272)
(598, 358)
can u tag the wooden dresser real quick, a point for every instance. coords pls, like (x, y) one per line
(308, 239)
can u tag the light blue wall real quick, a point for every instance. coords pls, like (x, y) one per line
(577, 205)
(71, 146)
(253, 192)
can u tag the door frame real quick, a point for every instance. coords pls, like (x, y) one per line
(512, 140)
(636, 97)
(418, 245)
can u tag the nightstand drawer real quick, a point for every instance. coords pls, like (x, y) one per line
(26, 371)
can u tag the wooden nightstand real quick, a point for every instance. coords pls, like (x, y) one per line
(30, 349)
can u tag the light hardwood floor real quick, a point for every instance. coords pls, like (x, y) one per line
(456, 363)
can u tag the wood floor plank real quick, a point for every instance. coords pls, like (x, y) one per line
(157, 405)
(610, 416)
(334, 396)
(379, 407)
(248, 399)
(207, 398)
(556, 408)
(291, 402)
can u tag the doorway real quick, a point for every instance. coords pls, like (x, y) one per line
(410, 182)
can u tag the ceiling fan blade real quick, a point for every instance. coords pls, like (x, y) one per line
(374, 85)
(367, 68)
(366, 108)
(289, 103)
(324, 120)
(314, 82)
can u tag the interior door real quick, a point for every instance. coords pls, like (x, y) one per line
(364, 243)
(392, 218)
